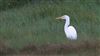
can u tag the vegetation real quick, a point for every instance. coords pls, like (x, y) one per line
(33, 22)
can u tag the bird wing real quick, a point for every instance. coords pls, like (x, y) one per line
(71, 32)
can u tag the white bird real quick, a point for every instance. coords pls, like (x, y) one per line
(70, 31)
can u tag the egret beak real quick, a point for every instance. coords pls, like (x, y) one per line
(59, 18)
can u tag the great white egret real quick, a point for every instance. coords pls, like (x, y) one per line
(70, 31)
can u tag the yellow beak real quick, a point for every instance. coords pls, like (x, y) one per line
(59, 18)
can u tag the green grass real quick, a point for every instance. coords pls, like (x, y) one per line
(36, 23)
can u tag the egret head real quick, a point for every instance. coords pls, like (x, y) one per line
(67, 19)
(63, 17)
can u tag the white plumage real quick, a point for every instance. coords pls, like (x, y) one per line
(70, 31)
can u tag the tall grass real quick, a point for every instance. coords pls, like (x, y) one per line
(36, 23)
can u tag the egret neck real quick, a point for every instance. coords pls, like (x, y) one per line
(67, 22)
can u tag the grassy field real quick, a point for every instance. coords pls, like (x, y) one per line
(36, 23)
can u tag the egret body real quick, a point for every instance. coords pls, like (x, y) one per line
(70, 31)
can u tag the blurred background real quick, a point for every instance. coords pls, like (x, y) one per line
(27, 24)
